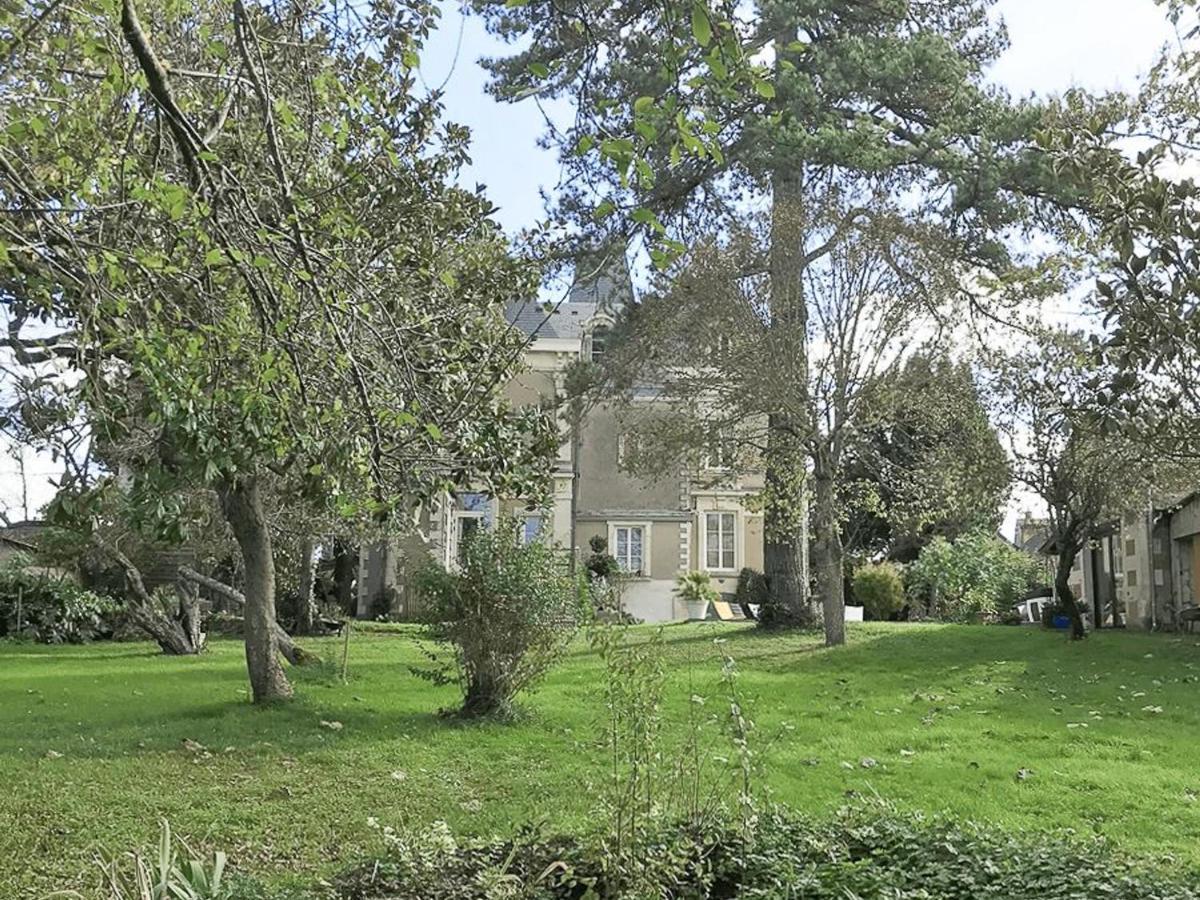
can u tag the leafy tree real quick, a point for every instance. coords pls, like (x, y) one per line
(701, 343)
(233, 226)
(1141, 242)
(1043, 392)
(975, 577)
(926, 461)
(677, 134)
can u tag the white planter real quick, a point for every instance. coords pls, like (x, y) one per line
(696, 609)
(854, 613)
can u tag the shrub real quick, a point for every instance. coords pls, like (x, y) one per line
(974, 578)
(600, 563)
(695, 587)
(870, 851)
(751, 589)
(507, 612)
(754, 587)
(879, 588)
(50, 609)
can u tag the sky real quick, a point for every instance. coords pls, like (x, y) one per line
(1056, 45)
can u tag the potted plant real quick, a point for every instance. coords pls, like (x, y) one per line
(696, 591)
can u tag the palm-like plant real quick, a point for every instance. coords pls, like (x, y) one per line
(697, 591)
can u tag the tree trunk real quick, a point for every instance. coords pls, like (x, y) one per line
(242, 505)
(306, 606)
(785, 546)
(785, 553)
(189, 613)
(345, 566)
(287, 647)
(827, 544)
(1062, 587)
(178, 634)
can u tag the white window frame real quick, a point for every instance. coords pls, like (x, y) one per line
(605, 329)
(486, 518)
(647, 530)
(737, 540)
(715, 461)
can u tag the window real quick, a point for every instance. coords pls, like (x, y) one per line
(720, 541)
(720, 452)
(599, 342)
(628, 450)
(531, 529)
(472, 512)
(629, 547)
(467, 527)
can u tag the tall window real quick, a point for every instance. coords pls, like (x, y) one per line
(531, 529)
(627, 450)
(721, 452)
(720, 541)
(472, 513)
(599, 342)
(630, 548)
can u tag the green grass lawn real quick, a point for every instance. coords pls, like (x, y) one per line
(1108, 731)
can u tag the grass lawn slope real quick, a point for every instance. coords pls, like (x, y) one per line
(1005, 725)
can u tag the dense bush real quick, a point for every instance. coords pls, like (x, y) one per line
(975, 578)
(771, 613)
(506, 612)
(868, 853)
(751, 589)
(48, 608)
(879, 588)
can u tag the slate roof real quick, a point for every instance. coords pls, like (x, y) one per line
(602, 283)
(566, 320)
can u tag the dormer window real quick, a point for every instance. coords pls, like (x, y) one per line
(599, 343)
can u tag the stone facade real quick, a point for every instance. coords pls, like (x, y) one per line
(657, 528)
(1142, 570)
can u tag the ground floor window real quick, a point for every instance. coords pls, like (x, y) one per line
(472, 513)
(720, 541)
(531, 529)
(629, 547)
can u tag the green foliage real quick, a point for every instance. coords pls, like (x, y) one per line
(925, 461)
(972, 579)
(751, 589)
(695, 587)
(700, 121)
(50, 608)
(879, 588)
(865, 851)
(600, 563)
(508, 611)
(171, 872)
(478, 779)
(268, 275)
